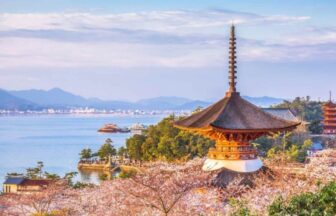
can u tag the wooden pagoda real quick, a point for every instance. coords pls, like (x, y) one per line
(233, 123)
(329, 113)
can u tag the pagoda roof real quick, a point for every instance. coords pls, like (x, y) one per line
(284, 113)
(330, 104)
(234, 113)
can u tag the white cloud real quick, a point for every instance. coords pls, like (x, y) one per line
(163, 21)
(313, 36)
(45, 53)
(145, 39)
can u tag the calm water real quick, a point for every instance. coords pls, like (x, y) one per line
(57, 140)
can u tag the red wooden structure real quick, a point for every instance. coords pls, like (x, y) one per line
(329, 122)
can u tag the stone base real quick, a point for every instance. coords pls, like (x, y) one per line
(243, 166)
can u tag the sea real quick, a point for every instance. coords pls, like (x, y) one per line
(57, 140)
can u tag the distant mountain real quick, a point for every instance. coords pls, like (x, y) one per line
(58, 98)
(10, 102)
(258, 101)
(111, 105)
(192, 105)
(162, 103)
(53, 98)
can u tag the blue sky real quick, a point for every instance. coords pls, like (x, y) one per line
(140, 49)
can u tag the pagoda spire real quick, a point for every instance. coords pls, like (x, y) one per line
(330, 96)
(232, 62)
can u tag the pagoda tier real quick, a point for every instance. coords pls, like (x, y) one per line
(233, 123)
(329, 122)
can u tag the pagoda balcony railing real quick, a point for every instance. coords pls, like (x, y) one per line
(329, 121)
(232, 154)
(329, 109)
(326, 115)
(233, 148)
(326, 124)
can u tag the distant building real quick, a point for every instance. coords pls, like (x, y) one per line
(287, 114)
(283, 113)
(329, 114)
(24, 185)
(138, 129)
(317, 146)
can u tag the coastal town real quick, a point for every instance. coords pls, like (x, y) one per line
(197, 162)
(89, 111)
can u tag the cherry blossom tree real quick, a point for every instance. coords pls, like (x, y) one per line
(177, 189)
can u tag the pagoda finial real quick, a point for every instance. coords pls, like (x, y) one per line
(330, 96)
(232, 62)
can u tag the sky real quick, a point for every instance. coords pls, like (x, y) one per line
(135, 49)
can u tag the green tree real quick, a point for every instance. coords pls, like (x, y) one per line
(303, 150)
(315, 127)
(293, 153)
(264, 144)
(103, 176)
(51, 176)
(134, 146)
(239, 208)
(39, 167)
(122, 152)
(166, 142)
(107, 150)
(289, 146)
(69, 177)
(323, 202)
(86, 153)
(35, 172)
(81, 185)
(307, 110)
(271, 153)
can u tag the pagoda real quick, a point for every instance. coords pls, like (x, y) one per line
(329, 122)
(233, 123)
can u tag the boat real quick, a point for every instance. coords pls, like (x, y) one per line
(113, 128)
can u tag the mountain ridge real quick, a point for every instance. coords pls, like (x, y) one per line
(10, 102)
(58, 98)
